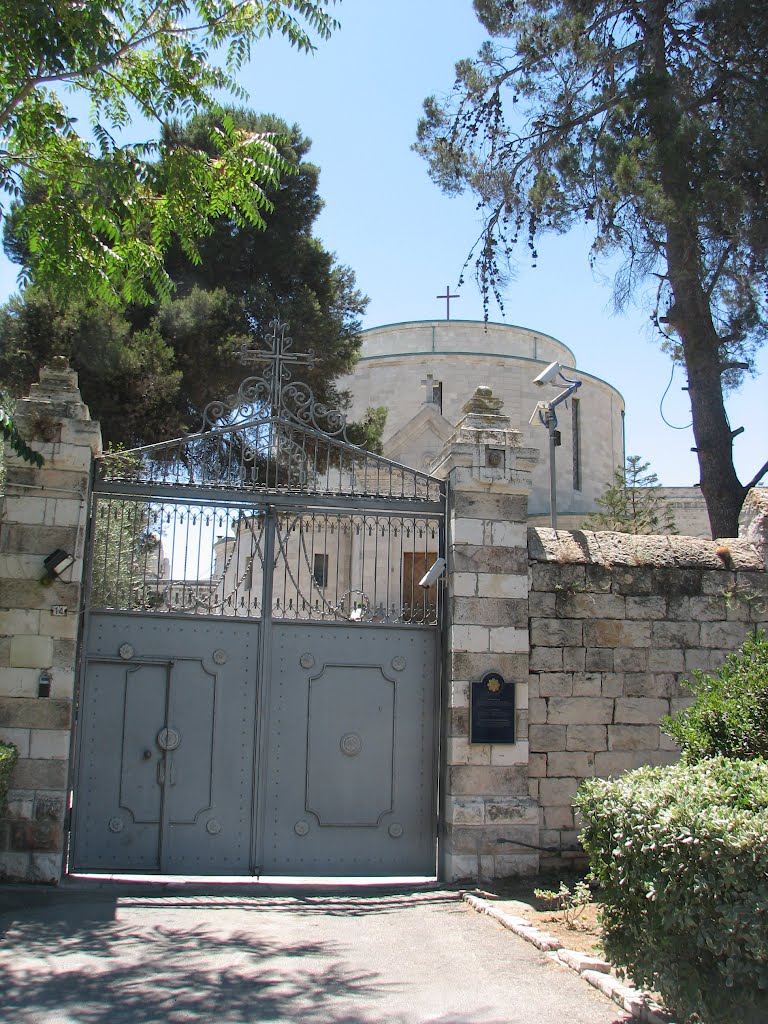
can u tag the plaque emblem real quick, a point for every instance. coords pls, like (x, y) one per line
(494, 684)
(350, 744)
(168, 739)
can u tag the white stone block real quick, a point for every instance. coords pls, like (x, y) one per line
(509, 754)
(20, 567)
(468, 531)
(510, 535)
(19, 620)
(31, 652)
(19, 682)
(52, 744)
(501, 585)
(508, 639)
(30, 511)
(464, 810)
(459, 867)
(473, 638)
(463, 584)
(459, 697)
(68, 512)
(19, 738)
(461, 751)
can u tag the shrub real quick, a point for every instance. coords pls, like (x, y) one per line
(8, 757)
(681, 854)
(730, 713)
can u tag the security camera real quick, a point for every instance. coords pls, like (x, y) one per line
(548, 375)
(433, 574)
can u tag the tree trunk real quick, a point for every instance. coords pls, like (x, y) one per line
(690, 314)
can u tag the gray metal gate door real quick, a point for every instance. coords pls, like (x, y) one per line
(259, 668)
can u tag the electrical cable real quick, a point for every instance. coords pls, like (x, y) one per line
(661, 403)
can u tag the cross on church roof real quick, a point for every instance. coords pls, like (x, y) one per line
(278, 356)
(447, 298)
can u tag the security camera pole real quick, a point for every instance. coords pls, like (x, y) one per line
(548, 418)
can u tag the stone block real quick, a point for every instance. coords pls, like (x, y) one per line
(574, 659)
(34, 836)
(556, 578)
(676, 634)
(633, 581)
(709, 608)
(586, 737)
(508, 639)
(673, 581)
(24, 713)
(590, 606)
(459, 694)
(643, 684)
(537, 765)
(468, 665)
(640, 710)
(646, 607)
(633, 737)
(546, 659)
(467, 839)
(15, 621)
(30, 594)
(679, 609)
(617, 633)
(510, 753)
(555, 684)
(579, 764)
(461, 869)
(558, 817)
(49, 743)
(18, 737)
(465, 810)
(473, 639)
(587, 684)
(480, 505)
(556, 633)
(39, 774)
(19, 682)
(506, 585)
(666, 659)
(598, 659)
(34, 539)
(697, 659)
(15, 867)
(580, 711)
(482, 780)
(514, 865)
(537, 711)
(46, 868)
(631, 659)
(458, 722)
(509, 535)
(486, 558)
(599, 579)
(541, 605)
(546, 737)
(612, 684)
(489, 611)
(462, 584)
(31, 652)
(727, 635)
(468, 531)
(511, 810)
(49, 807)
(557, 792)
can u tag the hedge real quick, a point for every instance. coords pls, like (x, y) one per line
(8, 757)
(681, 855)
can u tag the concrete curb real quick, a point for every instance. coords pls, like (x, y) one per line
(591, 968)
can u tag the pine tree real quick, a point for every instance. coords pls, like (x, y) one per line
(632, 503)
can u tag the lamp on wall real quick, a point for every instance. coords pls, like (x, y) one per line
(553, 375)
(56, 563)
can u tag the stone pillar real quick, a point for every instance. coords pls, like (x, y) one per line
(43, 510)
(485, 804)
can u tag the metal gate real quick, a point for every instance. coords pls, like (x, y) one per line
(258, 683)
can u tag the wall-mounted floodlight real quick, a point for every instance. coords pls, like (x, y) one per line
(433, 574)
(553, 374)
(56, 563)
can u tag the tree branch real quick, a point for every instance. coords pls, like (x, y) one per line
(757, 477)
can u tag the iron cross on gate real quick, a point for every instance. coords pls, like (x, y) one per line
(279, 355)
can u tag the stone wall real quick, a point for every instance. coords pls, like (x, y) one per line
(617, 623)
(42, 510)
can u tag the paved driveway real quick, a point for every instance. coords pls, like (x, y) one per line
(178, 958)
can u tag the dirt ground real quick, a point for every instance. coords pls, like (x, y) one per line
(516, 896)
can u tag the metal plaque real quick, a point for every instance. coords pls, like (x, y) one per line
(492, 710)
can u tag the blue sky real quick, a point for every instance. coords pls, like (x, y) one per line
(359, 98)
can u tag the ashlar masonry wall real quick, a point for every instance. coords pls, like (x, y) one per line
(617, 623)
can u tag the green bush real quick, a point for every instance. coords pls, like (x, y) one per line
(681, 854)
(730, 713)
(8, 758)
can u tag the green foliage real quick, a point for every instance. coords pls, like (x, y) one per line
(9, 755)
(147, 372)
(632, 504)
(9, 433)
(570, 903)
(730, 714)
(103, 213)
(681, 855)
(642, 119)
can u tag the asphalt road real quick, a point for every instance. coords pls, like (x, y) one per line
(351, 958)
